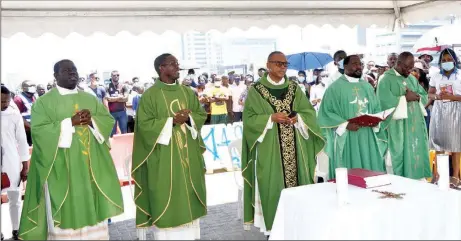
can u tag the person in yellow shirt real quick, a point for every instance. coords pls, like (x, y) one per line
(218, 96)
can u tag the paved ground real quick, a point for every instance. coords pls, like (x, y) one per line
(220, 224)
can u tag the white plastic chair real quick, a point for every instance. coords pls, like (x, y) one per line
(322, 168)
(237, 146)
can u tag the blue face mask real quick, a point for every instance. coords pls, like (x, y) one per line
(447, 66)
(341, 64)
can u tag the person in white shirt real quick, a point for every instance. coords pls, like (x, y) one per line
(338, 59)
(236, 91)
(15, 154)
(302, 80)
(445, 126)
(317, 92)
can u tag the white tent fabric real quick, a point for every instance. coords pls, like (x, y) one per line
(446, 35)
(86, 17)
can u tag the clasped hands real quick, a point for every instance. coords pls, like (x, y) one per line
(81, 118)
(181, 116)
(412, 96)
(283, 118)
(445, 96)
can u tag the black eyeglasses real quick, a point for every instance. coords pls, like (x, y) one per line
(171, 63)
(280, 63)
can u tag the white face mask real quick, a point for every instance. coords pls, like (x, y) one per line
(341, 64)
(447, 66)
(32, 89)
(217, 83)
(301, 79)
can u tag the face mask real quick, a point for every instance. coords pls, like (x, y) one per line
(302, 79)
(31, 90)
(341, 64)
(217, 84)
(447, 66)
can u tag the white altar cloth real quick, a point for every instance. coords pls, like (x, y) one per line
(425, 212)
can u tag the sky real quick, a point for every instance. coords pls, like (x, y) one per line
(33, 58)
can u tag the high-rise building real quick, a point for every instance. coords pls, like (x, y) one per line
(202, 48)
(247, 51)
(404, 39)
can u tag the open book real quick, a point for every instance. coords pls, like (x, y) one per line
(371, 119)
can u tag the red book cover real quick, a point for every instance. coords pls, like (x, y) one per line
(366, 120)
(5, 180)
(370, 120)
(363, 173)
(356, 177)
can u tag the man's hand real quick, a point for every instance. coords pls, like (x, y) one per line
(82, 117)
(411, 96)
(352, 127)
(293, 120)
(181, 117)
(280, 118)
(25, 171)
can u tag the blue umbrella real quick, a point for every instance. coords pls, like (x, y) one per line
(308, 60)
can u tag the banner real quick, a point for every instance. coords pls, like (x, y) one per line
(217, 139)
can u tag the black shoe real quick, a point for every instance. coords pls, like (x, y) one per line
(2, 236)
(15, 235)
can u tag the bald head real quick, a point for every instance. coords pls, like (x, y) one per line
(404, 56)
(405, 63)
(277, 65)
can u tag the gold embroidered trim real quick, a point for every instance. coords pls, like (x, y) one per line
(287, 132)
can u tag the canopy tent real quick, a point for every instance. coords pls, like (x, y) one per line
(440, 36)
(86, 17)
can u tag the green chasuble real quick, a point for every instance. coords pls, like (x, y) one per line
(284, 158)
(82, 180)
(170, 179)
(342, 101)
(407, 138)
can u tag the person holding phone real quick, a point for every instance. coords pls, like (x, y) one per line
(281, 139)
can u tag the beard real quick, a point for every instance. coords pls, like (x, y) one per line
(357, 75)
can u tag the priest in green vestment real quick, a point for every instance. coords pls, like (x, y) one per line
(406, 132)
(281, 139)
(350, 145)
(168, 167)
(72, 187)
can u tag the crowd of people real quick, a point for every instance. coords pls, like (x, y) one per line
(287, 122)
